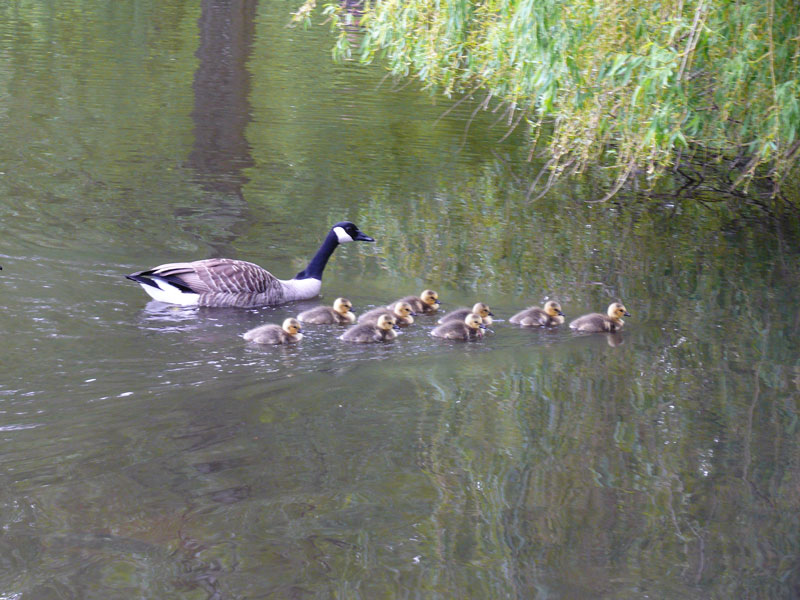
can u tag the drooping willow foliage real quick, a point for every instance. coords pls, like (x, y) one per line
(638, 86)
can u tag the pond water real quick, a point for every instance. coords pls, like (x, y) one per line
(149, 452)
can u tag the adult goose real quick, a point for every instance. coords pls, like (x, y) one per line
(238, 283)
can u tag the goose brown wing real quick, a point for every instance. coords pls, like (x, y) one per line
(220, 275)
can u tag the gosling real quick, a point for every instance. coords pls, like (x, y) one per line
(596, 323)
(468, 329)
(339, 314)
(459, 314)
(425, 304)
(549, 316)
(402, 313)
(287, 333)
(383, 330)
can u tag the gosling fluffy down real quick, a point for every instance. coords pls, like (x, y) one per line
(402, 313)
(339, 314)
(468, 329)
(549, 316)
(382, 330)
(459, 314)
(596, 322)
(424, 304)
(287, 333)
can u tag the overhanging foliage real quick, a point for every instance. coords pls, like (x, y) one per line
(635, 86)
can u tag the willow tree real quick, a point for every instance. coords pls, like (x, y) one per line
(637, 86)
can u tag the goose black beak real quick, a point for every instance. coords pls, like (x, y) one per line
(361, 237)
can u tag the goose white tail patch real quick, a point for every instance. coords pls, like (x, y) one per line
(342, 235)
(166, 292)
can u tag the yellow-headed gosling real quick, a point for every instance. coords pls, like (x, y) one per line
(288, 333)
(402, 313)
(382, 330)
(459, 314)
(339, 314)
(596, 322)
(549, 316)
(424, 304)
(468, 329)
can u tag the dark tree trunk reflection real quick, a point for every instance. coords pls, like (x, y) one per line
(221, 153)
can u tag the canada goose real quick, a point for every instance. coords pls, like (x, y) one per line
(595, 322)
(380, 331)
(459, 314)
(549, 316)
(340, 314)
(426, 303)
(468, 329)
(402, 313)
(229, 282)
(287, 333)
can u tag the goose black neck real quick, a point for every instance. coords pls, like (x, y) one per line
(317, 264)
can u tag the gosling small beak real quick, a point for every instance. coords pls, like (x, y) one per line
(627, 314)
(435, 301)
(361, 237)
(491, 314)
(561, 314)
(413, 314)
(482, 326)
(397, 327)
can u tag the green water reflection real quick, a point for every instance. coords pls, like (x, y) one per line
(147, 451)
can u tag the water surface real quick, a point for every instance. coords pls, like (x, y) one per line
(148, 451)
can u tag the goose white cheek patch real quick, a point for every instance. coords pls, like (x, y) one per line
(342, 235)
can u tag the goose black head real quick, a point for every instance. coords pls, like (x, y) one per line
(348, 232)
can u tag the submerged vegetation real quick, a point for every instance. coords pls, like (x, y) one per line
(636, 87)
